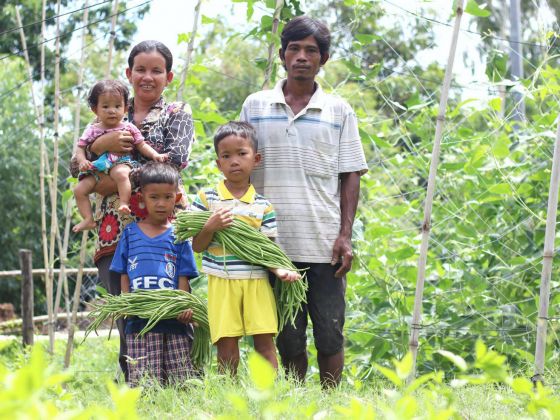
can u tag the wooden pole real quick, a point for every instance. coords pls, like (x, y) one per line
(516, 60)
(62, 283)
(73, 320)
(44, 271)
(39, 113)
(28, 65)
(54, 184)
(271, 52)
(190, 50)
(428, 204)
(63, 278)
(43, 161)
(112, 38)
(25, 260)
(548, 255)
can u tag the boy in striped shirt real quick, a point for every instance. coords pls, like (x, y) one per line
(240, 298)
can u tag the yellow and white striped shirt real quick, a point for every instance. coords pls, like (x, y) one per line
(253, 209)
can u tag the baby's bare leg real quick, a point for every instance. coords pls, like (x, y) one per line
(82, 190)
(120, 173)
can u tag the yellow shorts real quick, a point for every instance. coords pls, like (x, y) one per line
(240, 307)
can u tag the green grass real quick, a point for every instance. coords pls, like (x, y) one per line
(94, 365)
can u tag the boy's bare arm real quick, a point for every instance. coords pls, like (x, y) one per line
(184, 284)
(285, 275)
(148, 151)
(125, 283)
(186, 316)
(219, 220)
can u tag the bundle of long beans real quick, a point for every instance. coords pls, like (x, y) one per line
(252, 246)
(156, 305)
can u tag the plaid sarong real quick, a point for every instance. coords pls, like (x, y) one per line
(163, 357)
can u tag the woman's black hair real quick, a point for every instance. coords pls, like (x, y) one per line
(236, 128)
(157, 173)
(149, 46)
(301, 27)
(107, 86)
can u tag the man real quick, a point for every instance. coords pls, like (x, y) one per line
(312, 160)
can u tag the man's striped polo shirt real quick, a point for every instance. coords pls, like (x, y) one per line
(302, 157)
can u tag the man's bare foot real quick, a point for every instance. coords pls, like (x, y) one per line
(85, 224)
(124, 209)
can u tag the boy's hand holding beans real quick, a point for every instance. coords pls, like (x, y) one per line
(219, 220)
(286, 275)
(186, 316)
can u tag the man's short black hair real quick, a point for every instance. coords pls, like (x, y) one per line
(236, 128)
(157, 173)
(301, 27)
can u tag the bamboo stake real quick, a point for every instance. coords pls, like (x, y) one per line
(190, 49)
(548, 256)
(73, 320)
(42, 149)
(68, 214)
(428, 204)
(270, 61)
(43, 272)
(54, 183)
(28, 65)
(62, 277)
(39, 113)
(112, 37)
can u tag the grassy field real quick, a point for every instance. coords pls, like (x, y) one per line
(89, 391)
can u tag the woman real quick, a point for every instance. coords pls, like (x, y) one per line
(168, 128)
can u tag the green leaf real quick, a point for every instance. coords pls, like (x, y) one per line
(238, 402)
(522, 386)
(66, 195)
(261, 372)
(495, 104)
(403, 253)
(502, 188)
(366, 38)
(480, 349)
(474, 9)
(455, 359)
(501, 147)
(413, 100)
(389, 374)
(184, 38)
(404, 366)
(205, 20)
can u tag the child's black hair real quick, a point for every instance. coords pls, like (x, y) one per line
(148, 47)
(157, 173)
(301, 27)
(236, 128)
(107, 86)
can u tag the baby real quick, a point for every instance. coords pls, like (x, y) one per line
(108, 99)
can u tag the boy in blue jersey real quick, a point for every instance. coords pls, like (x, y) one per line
(240, 298)
(148, 258)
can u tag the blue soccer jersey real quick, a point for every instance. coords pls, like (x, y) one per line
(153, 263)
